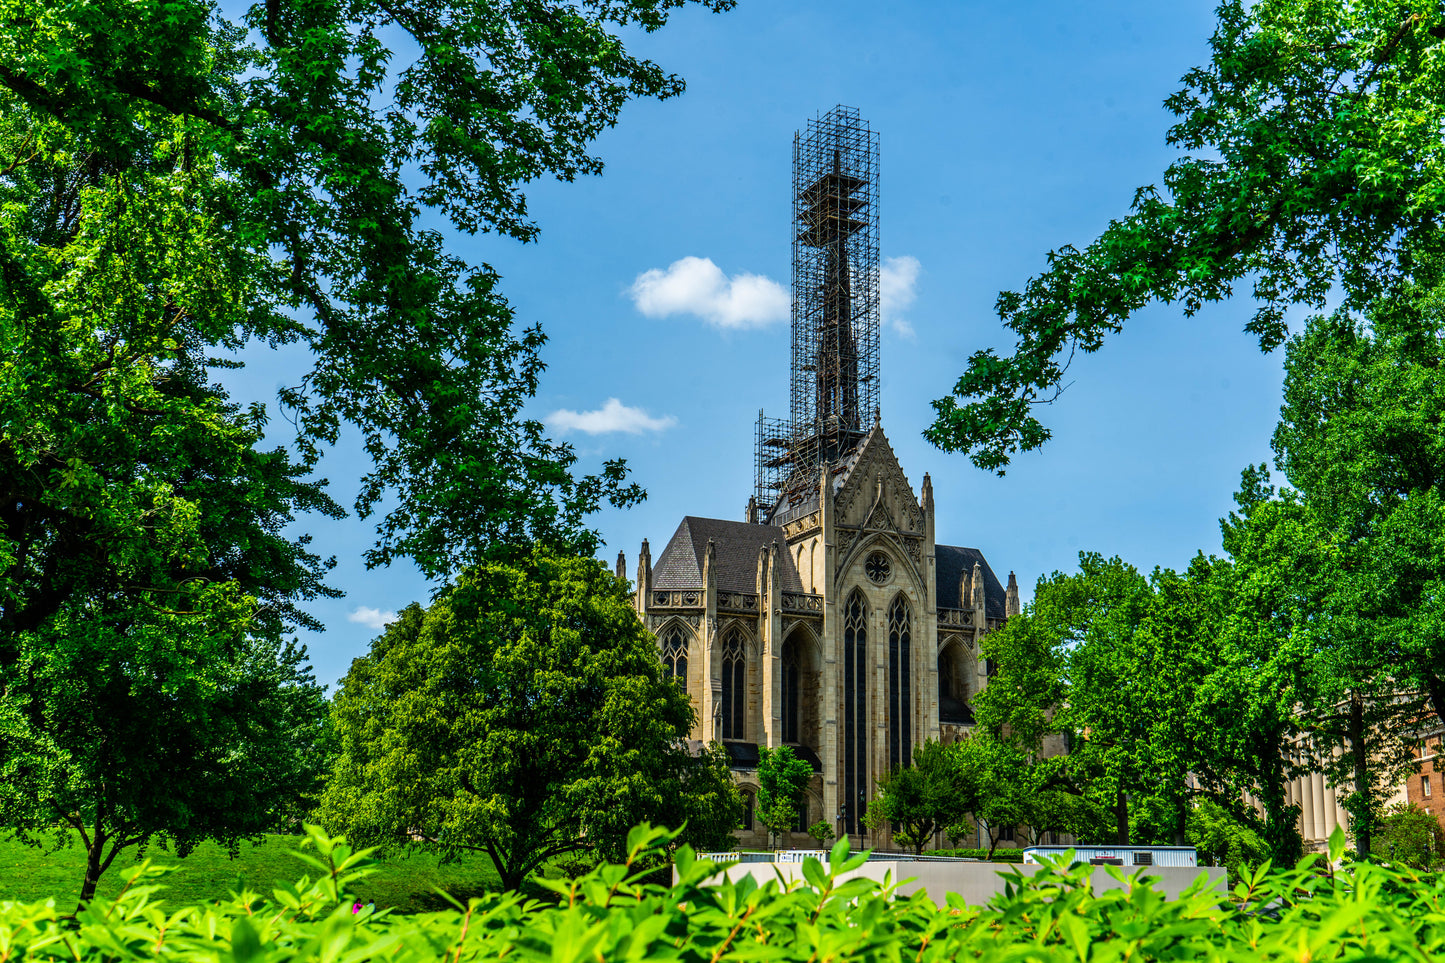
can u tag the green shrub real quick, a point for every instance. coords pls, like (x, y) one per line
(1223, 840)
(1370, 913)
(1411, 836)
(999, 855)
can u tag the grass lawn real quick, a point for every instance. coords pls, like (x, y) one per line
(406, 882)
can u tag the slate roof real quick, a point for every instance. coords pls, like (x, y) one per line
(952, 561)
(737, 545)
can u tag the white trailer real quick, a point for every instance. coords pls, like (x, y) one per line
(1119, 855)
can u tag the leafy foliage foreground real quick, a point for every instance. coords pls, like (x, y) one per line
(1301, 914)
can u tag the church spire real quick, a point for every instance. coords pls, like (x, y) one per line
(834, 382)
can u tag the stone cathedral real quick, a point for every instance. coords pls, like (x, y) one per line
(829, 619)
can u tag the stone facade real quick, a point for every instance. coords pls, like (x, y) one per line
(832, 622)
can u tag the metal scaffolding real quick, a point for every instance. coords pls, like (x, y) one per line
(834, 385)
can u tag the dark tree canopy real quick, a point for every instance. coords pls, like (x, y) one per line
(327, 147)
(174, 185)
(1313, 160)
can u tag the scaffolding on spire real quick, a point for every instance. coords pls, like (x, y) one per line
(834, 383)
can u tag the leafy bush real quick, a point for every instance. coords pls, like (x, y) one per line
(1223, 840)
(999, 855)
(1372, 913)
(1410, 835)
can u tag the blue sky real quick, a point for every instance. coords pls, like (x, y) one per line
(1006, 130)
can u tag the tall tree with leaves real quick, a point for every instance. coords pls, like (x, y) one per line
(525, 714)
(925, 798)
(329, 145)
(1353, 548)
(782, 788)
(1312, 161)
(1075, 655)
(1129, 673)
(174, 184)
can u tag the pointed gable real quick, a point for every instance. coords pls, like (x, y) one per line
(855, 487)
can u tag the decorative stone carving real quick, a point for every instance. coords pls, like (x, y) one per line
(655, 622)
(737, 601)
(859, 502)
(964, 639)
(914, 547)
(674, 598)
(795, 602)
(959, 617)
(801, 526)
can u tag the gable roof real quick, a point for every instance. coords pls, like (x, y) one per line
(737, 545)
(952, 561)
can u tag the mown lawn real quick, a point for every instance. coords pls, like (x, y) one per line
(406, 882)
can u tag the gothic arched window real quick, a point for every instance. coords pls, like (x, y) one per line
(855, 715)
(734, 685)
(791, 671)
(900, 687)
(674, 654)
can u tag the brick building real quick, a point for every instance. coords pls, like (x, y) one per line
(1423, 788)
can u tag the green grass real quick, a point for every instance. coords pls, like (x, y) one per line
(405, 881)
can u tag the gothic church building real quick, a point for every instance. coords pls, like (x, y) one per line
(830, 619)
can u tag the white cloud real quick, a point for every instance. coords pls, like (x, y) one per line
(695, 285)
(611, 417)
(370, 617)
(897, 279)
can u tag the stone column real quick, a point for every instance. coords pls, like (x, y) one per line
(1317, 797)
(644, 577)
(770, 604)
(927, 721)
(711, 649)
(830, 748)
(1332, 810)
(1307, 808)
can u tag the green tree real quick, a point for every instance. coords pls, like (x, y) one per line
(330, 150)
(524, 714)
(175, 184)
(137, 726)
(1361, 441)
(1001, 785)
(1154, 687)
(1410, 835)
(822, 833)
(1222, 840)
(1086, 677)
(147, 590)
(1351, 553)
(1312, 162)
(922, 799)
(782, 788)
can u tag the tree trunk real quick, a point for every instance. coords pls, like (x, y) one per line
(94, 866)
(511, 879)
(1365, 818)
(1121, 818)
